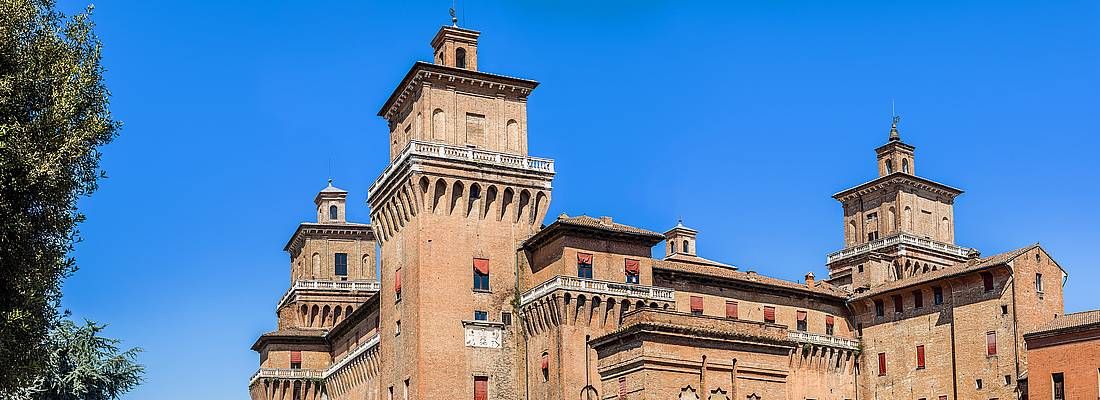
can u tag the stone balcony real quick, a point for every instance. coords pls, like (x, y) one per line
(286, 373)
(898, 239)
(823, 340)
(449, 152)
(617, 289)
(328, 286)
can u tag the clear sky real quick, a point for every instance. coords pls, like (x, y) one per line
(741, 117)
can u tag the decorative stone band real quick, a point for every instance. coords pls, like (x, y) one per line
(901, 238)
(333, 286)
(457, 153)
(314, 374)
(823, 340)
(597, 287)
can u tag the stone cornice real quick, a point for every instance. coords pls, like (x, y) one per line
(422, 71)
(898, 178)
(352, 230)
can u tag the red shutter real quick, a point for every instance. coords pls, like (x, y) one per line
(882, 364)
(545, 362)
(631, 267)
(696, 303)
(481, 388)
(622, 388)
(829, 320)
(481, 265)
(295, 356)
(801, 315)
(397, 281)
(731, 309)
(920, 356)
(991, 343)
(769, 314)
(584, 258)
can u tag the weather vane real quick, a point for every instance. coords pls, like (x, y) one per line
(454, 16)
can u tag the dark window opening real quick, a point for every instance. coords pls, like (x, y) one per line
(918, 299)
(880, 308)
(584, 271)
(480, 315)
(506, 318)
(333, 212)
(460, 58)
(897, 304)
(341, 264)
(987, 281)
(937, 295)
(481, 281)
(1059, 382)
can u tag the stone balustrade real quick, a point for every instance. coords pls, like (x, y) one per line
(329, 285)
(823, 340)
(901, 238)
(458, 153)
(286, 373)
(618, 289)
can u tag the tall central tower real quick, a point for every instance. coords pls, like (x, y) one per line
(459, 196)
(895, 226)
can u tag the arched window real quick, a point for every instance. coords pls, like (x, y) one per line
(686, 246)
(439, 124)
(905, 165)
(889, 166)
(460, 58)
(333, 212)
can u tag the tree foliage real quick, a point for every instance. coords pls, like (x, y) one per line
(81, 365)
(53, 119)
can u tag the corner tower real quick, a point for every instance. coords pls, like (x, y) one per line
(897, 225)
(451, 209)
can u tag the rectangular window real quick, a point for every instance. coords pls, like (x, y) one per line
(397, 328)
(405, 391)
(481, 388)
(295, 360)
(880, 308)
(633, 270)
(943, 397)
(800, 321)
(897, 303)
(881, 364)
(731, 309)
(506, 318)
(1008, 380)
(341, 264)
(1038, 283)
(397, 285)
(390, 397)
(769, 314)
(481, 274)
(696, 305)
(937, 295)
(978, 384)
(918, 299)
(828, 324)
(872, 216)
(480, 315)
(991, 343)
(872, 236)
(584, 265)
(920, 357)
(987, 281)
(1058, 382)
(859, 329)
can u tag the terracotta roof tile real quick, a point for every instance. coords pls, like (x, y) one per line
(954, 270)
(1070, 321)
(819, 287)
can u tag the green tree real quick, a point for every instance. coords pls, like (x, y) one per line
(53, 119)
(81, 365)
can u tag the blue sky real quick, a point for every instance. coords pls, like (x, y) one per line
(741, 117)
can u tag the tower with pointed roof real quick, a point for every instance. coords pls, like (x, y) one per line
(897, 225)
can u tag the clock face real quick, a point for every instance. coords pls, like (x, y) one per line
(483, 336)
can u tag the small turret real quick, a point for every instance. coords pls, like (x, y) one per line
(331, 205)
(681, 239)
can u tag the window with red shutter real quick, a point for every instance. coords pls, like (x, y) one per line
(881, 364)
(828, 324)
(696, 305)
(731, 309)
(920, 357)
(481, 388)
(295, 360)
(545, 361)
(991, 343)
(632, 271)
(769, 314)
(800, 321)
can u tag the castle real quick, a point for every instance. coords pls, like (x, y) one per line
(456, 288)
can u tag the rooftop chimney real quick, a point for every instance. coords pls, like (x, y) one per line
(810, 279)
